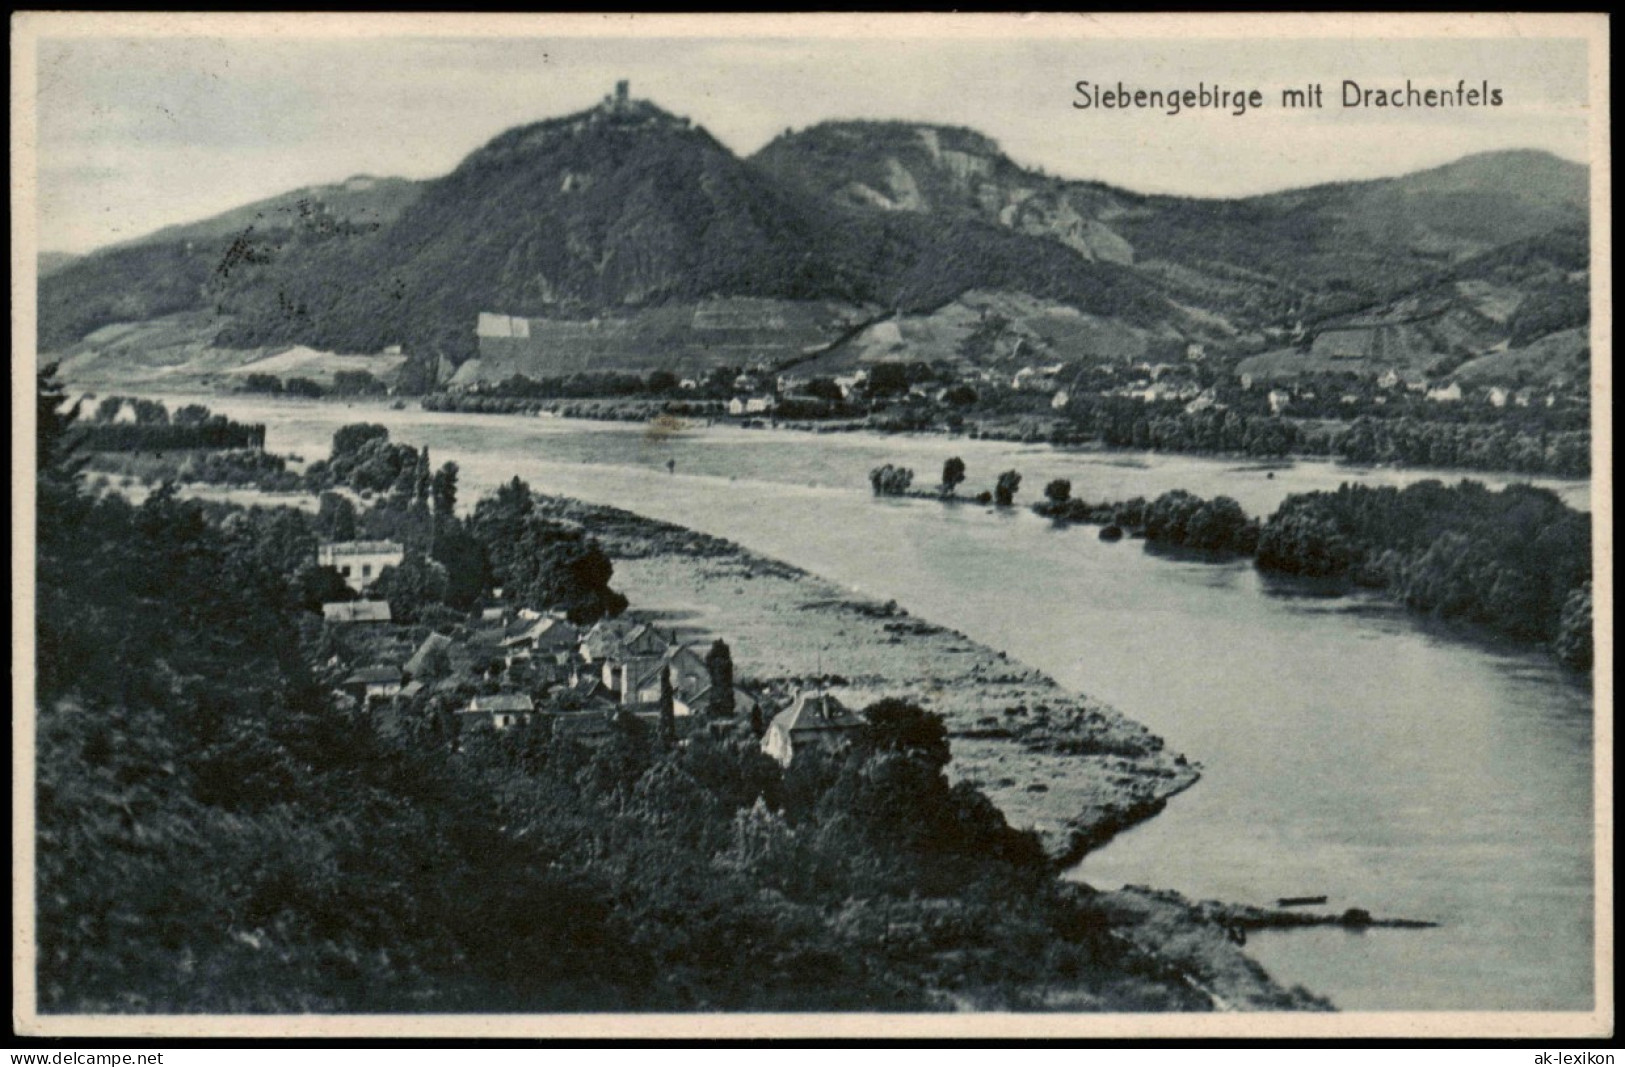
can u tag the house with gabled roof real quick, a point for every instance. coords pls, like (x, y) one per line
(373, 683)
(606, 639)
(647, 640)
(546, 642)
(590, 690)
(814, 720)
(498, 710)
(640, 679)
(745, 702)
(346, 612)
(429, 650)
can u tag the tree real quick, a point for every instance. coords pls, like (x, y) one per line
(150, 413)
(107, 410)
(468, 573)
(336, 517)
(1574, 644)
(263, 383)
(1004, 493)
(668, 710)
(421, 479)
(894, 725)
(953, 473)
(661, 381)
(436, 665)
(824, 389)
(312, 586)
(347, 440)
(890, 481)
(356, 383)
(57, 498)
(443, 489)
(1058, 491)
(190, 415)
(411, 587)
(53, 427)
(719, 665)
(886, 378)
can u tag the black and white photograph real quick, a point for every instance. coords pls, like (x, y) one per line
(585, 526)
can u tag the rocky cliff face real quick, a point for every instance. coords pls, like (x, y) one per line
(950, 172)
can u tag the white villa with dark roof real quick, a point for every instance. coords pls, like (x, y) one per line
(814, 720)
(360, 562)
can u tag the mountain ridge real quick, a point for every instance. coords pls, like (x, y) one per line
(625, 206)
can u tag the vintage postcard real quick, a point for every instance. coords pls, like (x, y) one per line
(867, 525)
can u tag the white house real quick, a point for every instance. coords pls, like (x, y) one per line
(850, 382)
(1444, 394)
(812, 721)
(1204, 400)
(356, 611)
(501, 710)
(1279, 400)
(750, 405)
(1497, 396)
(359, 562)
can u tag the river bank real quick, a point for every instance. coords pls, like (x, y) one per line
(1069, 767)
(1294, 440)
(1075, 770)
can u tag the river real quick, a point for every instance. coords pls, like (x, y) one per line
(1349, 749)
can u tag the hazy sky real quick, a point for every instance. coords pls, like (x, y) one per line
(135, 134)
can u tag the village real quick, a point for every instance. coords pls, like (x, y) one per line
(512, 668)
(1339, 375)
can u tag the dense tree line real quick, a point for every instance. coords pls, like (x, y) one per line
(153, 428)
(1176, 518)
(612, 409)
(1516, 561)
(270, 383)
(1509, 560)
(231, 466)
(1463, 445)
(216, 832)
(1510, 444)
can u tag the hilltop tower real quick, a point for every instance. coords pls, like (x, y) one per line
(621, 101)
